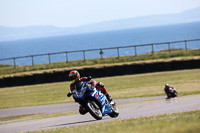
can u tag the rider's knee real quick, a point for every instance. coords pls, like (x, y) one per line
(82, 111)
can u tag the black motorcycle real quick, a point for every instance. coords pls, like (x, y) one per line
(171, 92)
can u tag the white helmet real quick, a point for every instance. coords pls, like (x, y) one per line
(167, 85)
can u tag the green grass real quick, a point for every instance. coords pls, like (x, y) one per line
(186, 122)
(141, 85)
(163, 54)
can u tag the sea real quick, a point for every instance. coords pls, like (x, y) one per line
(99, 40)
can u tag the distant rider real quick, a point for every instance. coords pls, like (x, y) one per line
(74, 76)
(169, 90)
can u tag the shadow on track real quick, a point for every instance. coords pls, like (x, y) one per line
(75, 123)
(68, 124)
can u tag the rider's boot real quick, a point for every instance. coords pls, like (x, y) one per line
(110, 99)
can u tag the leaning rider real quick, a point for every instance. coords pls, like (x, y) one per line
(74, 76)
(168, 89)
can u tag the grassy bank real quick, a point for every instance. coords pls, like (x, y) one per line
(151, 84)
(187, 122)
(164, 54)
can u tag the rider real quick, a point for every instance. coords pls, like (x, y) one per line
(74, 76)
(168, 89)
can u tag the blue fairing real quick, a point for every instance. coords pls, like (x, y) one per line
(86, 91)
(104, 102)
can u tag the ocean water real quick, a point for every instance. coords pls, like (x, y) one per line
(99, 40)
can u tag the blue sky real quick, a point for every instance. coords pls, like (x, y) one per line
(73, 13)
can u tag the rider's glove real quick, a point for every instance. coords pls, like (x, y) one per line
(89, 78)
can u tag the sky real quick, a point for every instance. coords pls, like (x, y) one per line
(74, 13)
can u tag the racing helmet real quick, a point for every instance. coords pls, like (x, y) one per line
(167, 85)
(74, 76)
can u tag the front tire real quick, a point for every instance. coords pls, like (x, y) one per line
(94, 109)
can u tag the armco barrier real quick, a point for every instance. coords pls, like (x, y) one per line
(152, 46)
(105, 71)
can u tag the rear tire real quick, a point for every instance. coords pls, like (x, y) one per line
(94, 109)
(174, 94)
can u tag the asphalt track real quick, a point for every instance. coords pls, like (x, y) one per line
(128, 108)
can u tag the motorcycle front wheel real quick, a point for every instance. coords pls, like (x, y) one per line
(94, 109)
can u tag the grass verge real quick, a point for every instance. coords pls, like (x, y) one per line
(186, 82)
(185, 122)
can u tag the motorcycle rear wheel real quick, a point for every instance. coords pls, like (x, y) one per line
(174, 94)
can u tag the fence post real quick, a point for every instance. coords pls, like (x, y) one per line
(135, 51)
(67, 57)
(49, 58)
(32, 60)
(118, 52)
(84, 55)
(14, 62)
(185, 45)
(152, 48)
(169, 47)
(101, 53)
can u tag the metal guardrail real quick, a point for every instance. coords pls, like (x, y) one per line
(101, 51)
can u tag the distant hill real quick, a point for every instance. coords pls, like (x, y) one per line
(9, 33)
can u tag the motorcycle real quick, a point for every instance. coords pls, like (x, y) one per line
(93, 101)
(172, 92)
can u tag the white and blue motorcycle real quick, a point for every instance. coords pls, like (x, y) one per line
(93, 101)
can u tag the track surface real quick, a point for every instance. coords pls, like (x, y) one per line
(129, 108)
